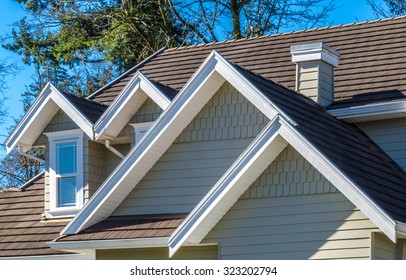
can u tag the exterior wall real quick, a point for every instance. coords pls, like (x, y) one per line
(390, 135)
(382, 247)
(148, 112)
(59, 122)
(292, 212)
(316, 77)
(94, 168)
(113, 160)
(185, 253)
(198, 158)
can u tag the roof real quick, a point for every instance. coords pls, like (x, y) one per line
(22, 233)
(91, 109)
(372, 59)
(128, 227)
(345, 145)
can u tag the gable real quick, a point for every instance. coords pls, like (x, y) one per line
(198, 157)
(297, 214)
(60, 122)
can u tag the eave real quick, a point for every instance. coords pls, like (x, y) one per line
(371, 112)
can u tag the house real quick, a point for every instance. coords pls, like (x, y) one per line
(290, 146)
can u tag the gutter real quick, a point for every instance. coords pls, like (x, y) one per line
(113, 150)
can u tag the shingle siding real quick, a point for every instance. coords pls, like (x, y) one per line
(198, 158)
(280, 217)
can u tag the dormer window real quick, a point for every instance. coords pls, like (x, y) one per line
(66, 172)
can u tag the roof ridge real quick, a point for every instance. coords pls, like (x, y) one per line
(287, 33)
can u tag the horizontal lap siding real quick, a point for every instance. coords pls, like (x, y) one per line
(292, 219)
(201, 154)
(390, 135)
(177, 183)
(383, 247)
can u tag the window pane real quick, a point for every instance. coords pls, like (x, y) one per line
(66, 191)
(66, 158)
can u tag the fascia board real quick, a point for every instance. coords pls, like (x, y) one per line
(242, 173)
(346, 186)
(28, 118)
(238, 81)
(72, 112)
(155, 142)
(187, 103)
(109, 244)
(371, 110)
(138, 84)
(115, 108)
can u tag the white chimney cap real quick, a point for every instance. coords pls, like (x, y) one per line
(315, 51)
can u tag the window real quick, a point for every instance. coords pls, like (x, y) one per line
(66, 169)
(140, 129)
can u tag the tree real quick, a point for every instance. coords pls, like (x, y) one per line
(247, 18)
(390, 8)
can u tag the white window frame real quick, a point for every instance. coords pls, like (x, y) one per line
(138, 129)
(75, 135)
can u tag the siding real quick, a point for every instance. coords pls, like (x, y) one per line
(96, 167)
(112, 160)
(390, 135)
(185, 253)
(296, 214)
(382, 247)
(148, 112)
(198, 158)
(59, 122)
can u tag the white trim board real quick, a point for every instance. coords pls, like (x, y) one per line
(40, 114)
(369, 112)
(128, 101)
(191, 99)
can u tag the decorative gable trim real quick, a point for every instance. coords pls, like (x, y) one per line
(191, 99)
(49, 101)
(244, 171)
(130, 99)
(226, 192)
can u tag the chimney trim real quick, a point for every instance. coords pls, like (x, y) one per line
(314, 52)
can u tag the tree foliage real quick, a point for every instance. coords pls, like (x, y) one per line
(389, 8)
(214, 20)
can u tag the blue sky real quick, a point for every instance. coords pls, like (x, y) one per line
(348, 11)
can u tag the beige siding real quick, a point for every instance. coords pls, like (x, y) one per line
(59, 122)
(112, 160)
(292, 212)
(185, 253)
(198, 158)
(390, 135)
(316, 80)
(96, 167)
(227, 115)
(148, 112)
(382, 247)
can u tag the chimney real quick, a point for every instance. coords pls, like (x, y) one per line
(315, 71)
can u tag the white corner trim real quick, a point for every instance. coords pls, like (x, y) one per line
(371, 111)
(242, 173)
(41, 105)
(85, 246)
(137, 90)
(346, 186)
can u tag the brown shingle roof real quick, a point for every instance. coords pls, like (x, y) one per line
(21, 231)
(128, 227)
(346, 146)
(372, 58)
(91, 109)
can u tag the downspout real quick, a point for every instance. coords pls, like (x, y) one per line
(113, 150)
(20, 151)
